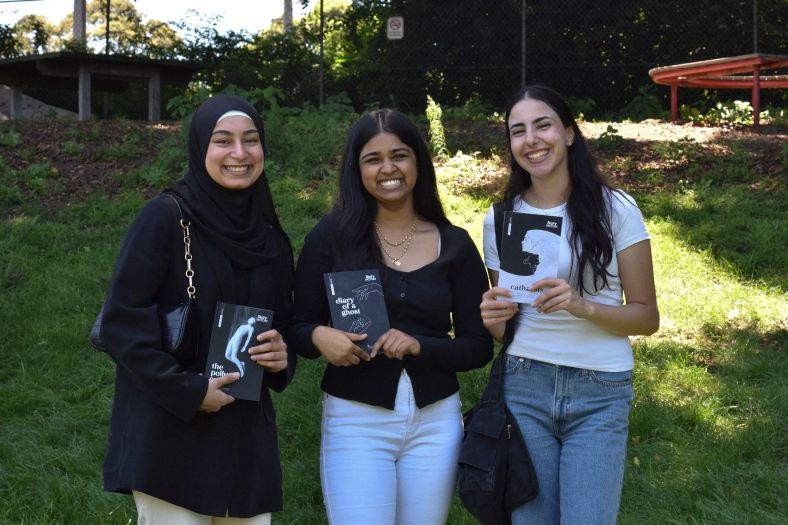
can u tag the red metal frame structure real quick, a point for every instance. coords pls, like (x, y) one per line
(723, 73)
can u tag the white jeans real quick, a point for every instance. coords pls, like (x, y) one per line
(155, 511)
(384, 467)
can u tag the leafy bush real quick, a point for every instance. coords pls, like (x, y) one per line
(582, 107)
(72, 148)
(473, 109)
(734, 113)
(437, 135)
(10, 138)
(610, 138)
(645, 105)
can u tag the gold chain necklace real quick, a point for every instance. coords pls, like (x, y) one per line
(405, 239)
(396, 260)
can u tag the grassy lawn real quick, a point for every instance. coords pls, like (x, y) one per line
(709, 428)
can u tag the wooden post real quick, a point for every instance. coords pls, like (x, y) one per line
(674, 102)
(154, 96)
(84, 92)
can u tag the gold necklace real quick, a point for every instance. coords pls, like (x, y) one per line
(405, 239)
(396, 260)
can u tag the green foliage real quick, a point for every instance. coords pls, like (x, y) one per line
(9, 45)
(735, 113)
(180, 106)
(10, 138)
(437, 135)
(583, 107)
(473, 109)
(72, 148)
(35, 175)
(610, 139)
(645, 105)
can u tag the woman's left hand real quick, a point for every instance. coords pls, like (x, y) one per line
(272, 354)
(396, 345)
(559, 295)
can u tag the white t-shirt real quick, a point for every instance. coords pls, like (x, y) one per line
(559, 337)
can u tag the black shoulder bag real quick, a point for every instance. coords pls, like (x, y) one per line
(179, 323)
(496, 474)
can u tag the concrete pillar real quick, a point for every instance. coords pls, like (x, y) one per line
(84, 92)
(15, 109)
(80, 20)
(154, 97)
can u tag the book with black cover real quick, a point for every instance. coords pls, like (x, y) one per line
(530, 246)
(357, 304)
(235, 329)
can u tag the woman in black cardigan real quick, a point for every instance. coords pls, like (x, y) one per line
(186, 449)
(391, 419)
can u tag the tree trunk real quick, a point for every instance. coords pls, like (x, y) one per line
(80, 19)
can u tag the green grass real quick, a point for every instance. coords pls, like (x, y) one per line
(709, 428)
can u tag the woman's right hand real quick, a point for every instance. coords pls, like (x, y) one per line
(495, 313)
(338, 347)
(215, 398)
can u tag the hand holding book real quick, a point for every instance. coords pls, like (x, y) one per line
(271, 354)
(559, 295)
(396, 345)
(339, 348)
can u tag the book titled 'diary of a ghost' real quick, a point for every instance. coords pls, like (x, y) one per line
(357, 304)
(530, 246)
(235, 329)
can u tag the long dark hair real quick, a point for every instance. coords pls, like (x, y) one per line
(588, 205)
(355, 209)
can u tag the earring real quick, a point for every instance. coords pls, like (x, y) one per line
(570, 142)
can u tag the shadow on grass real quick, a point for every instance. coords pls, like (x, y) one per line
(709, 431)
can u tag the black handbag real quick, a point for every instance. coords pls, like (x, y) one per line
(496, 474)
(179, 323)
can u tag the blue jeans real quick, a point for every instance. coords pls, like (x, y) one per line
(575, 426)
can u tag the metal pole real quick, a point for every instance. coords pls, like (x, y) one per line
(755, 26)
(106, 32)
(320, 96)
(522, 50)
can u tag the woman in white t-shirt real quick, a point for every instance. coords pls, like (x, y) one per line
(568, 364)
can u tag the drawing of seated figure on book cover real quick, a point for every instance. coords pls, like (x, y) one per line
(235, 347)
(540, 254)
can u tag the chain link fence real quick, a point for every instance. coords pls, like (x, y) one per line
(598, 53)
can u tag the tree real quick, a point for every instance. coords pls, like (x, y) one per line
(34, 34)
(128, 34)
(9, 44)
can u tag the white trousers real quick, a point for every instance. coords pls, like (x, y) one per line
(155, 511)
(384, 467)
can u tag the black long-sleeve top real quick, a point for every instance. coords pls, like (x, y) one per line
(425, 303)
(159, 441)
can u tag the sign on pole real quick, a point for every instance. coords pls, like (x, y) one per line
(395, 28)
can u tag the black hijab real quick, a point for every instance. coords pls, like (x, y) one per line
(238, 222)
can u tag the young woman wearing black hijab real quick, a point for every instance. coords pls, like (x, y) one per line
(189, 452)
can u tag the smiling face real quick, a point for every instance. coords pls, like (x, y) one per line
(538, 139)
(234, 159)
(388, 169)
